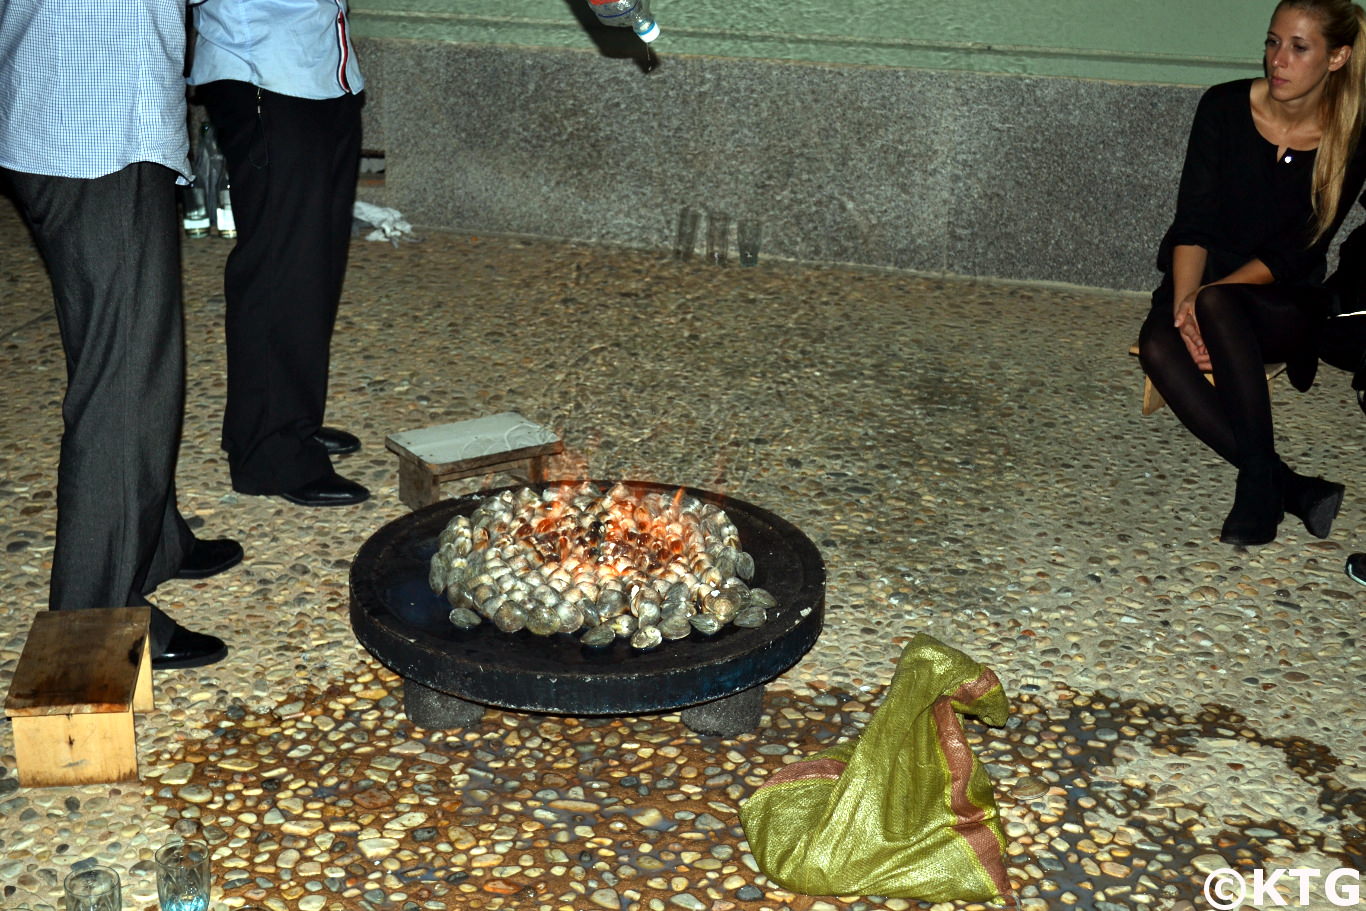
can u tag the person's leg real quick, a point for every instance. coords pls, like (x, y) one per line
(1196, 404)
(343, 124)
(293, 165)
(112, 249)
(176, 544)
(1244, 328)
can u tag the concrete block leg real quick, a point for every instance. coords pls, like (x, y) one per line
(438, 711)
(730, 716)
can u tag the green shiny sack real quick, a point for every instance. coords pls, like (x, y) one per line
(904, 810)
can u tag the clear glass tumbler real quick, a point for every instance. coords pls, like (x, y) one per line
(686, 242)
(748, 233)
(183, 876)
(718, 238)
(93, 889)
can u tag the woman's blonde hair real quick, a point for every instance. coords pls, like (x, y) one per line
(1340, 118)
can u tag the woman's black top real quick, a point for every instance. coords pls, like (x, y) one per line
(1240, 200)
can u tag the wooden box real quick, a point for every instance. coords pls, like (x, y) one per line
(80, 678)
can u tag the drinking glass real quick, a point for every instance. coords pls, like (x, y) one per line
(718, 238)
(183, 876)
(748, 232)
(686, 242)
(93, 889)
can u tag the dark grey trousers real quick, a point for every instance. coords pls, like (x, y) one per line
(112, 249)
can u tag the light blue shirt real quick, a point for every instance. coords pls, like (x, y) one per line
(88, 89)
(292, 47)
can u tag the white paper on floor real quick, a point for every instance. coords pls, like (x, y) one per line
(389, 224)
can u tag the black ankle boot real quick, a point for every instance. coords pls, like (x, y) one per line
(1314, 501)
(1257, 507)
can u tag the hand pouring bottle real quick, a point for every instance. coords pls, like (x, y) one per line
(632, 14)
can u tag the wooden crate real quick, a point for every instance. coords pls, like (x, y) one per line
(80, 678)
(504, 442)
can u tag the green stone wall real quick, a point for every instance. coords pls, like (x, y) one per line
(1183, 42)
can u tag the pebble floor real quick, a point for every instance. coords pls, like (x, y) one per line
(969, 458)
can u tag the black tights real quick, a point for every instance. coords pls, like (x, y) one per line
(1244, 328)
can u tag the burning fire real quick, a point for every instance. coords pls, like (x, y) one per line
(600, 564)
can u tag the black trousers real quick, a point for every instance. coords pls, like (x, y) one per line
(112, 249)
(293, 164)
(1245, 327)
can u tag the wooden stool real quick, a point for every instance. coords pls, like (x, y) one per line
(500, 442)
(1153, 401)
(81, 676)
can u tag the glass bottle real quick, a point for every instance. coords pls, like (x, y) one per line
(196, 211)
(227, 226)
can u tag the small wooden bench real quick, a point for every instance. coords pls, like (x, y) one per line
(81, 676)
(504, 442)
(1153, 401)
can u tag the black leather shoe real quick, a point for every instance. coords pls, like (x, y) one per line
(332, 490)
(209, 558)
(189, 649)
(337, 442)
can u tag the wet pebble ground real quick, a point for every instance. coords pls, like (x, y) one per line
(970, 460)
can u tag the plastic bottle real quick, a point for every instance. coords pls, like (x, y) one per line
(197, 199)
(632, 14)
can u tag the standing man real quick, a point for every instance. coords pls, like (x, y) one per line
(280, 82)
(92, 139)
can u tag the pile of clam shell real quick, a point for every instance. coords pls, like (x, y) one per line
(601, 565)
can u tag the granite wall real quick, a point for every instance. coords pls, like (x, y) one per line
(1014, 177)
(1171, 42)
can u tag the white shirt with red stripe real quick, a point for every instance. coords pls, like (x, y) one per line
(300, 48)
